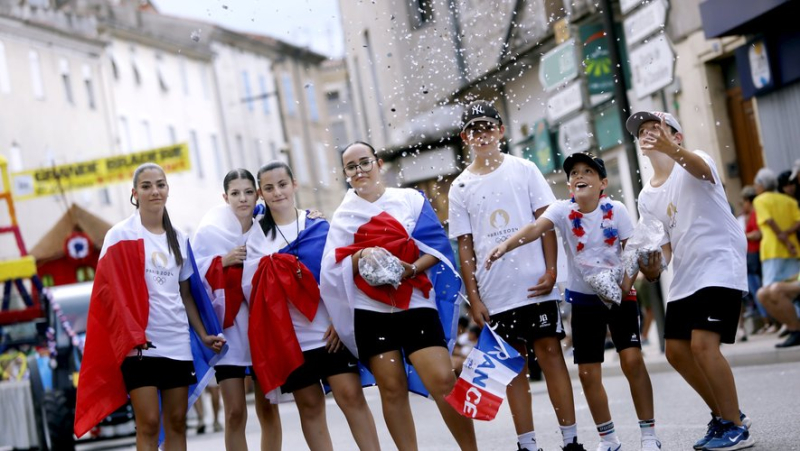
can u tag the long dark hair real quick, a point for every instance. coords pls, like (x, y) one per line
(172, 235)
(237, 174)
(267, 222)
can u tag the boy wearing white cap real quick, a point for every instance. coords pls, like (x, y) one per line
(708, 249)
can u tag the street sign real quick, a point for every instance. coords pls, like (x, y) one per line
(652, 65)
(597, 63)
(608, 128)
(542, 152)
(565, 101)
(574, 135)
(558, 66)
(645, 21)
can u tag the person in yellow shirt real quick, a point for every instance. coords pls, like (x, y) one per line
(778, 219)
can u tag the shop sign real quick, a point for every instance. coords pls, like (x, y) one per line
(608, 128)
(565, 101)
(558, 66)
(652, 66)
(574, 135)
(597, 63)
(541, 152)
(645, 21)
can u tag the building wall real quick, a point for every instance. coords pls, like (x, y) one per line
(44, 126)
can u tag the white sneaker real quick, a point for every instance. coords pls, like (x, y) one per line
(651, 444)
(609, 446)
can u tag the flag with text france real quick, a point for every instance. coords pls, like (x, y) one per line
(489, 368)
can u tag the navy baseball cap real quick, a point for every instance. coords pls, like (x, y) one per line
(585, 157)
(480, 111)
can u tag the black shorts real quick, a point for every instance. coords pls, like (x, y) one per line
(407, 331)
(223, 372)
(159, 372)
(714, 309)
(319, 364)
(591, 322)
(529, 323)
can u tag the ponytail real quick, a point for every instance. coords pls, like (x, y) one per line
(172, 239)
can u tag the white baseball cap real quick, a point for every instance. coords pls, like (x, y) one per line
(637, 119)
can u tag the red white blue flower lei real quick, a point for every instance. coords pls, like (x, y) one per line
(610, 233)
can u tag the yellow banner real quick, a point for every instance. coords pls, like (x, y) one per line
(96, 173)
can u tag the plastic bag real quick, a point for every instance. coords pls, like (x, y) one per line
(601, 268)
(647, 238)
(380, 267)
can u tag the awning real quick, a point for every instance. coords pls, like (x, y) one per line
(737, 17)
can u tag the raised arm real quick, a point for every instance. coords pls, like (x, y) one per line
(525, 235)
(660, 141)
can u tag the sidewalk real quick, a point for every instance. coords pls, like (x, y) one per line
(757, 350)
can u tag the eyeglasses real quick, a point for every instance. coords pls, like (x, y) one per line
(363, 167)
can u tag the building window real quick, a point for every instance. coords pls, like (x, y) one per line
(114, 69)
(36, 75)
(63, 66)
(162, 78)
(135, 69)
(184, 75)
(204, 80)
(300, 161)
(146, 137)
(273, 150)
(124, 135)
(248, 95)
(105, 196)
(288, 90)
(311, 100)
(262, 84)
(322, 164)
(217, 156)
(339, 134)
(173, 138)
(5, 82)
(196, 154)
(87, 82)
(332, 99)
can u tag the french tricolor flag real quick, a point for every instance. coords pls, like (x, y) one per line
(489, 368)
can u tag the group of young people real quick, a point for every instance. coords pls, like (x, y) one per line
(296, 315)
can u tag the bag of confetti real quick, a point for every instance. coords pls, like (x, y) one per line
(380, 267)
(646, 239)
(601, 268)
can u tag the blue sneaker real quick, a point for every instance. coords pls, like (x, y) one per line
(732, 437)
(746, 421)
(714, 428)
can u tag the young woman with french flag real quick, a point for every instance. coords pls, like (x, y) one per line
(151, 328)
(293, 342)
(219, 246)
(388, 327)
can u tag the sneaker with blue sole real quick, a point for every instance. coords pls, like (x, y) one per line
(731, 438)
(714, 429)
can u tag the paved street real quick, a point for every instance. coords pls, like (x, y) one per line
(770, 394)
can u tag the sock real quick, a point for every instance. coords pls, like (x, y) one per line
(607, 432)
(528, 440)
(648, 428)
(570, 433)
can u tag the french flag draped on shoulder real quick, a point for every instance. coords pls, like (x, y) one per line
(488, 369)
(358, 224)
(117, 320)
(219, 232)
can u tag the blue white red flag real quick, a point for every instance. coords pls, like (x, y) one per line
(489, 368)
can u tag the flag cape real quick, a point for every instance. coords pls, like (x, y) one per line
(338, 284)
(487, 371)
(218, 233)
(117, 321)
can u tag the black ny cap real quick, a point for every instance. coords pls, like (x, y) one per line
(588, 158)
(480, 111)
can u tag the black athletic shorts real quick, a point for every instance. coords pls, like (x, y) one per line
(223, 372)
(407, 331)
(590, 324)
(529, 323)
(159, 372)
(715, 309)
(319, 364)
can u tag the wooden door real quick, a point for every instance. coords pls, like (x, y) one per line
(745, 135)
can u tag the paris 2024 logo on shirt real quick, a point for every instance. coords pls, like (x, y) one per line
(499, 220)
(159, 272)
(672, 213)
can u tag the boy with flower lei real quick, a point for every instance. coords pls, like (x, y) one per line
(591, 222)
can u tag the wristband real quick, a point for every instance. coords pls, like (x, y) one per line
(413, 271)
(552, 272)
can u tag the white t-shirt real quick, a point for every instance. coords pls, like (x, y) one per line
(309, 333)
(558, 212)
(708, 246)
(238, 341)
(492, 207)
(399, 204)
(167, 323)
